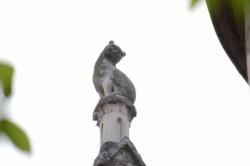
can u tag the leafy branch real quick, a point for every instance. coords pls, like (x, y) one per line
(7, 127)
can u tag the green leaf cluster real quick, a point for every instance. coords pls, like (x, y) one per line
(14, 133)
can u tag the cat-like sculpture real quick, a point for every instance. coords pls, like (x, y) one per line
(108, 79)
(112, 84)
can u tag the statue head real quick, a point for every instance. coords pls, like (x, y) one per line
(113, 53)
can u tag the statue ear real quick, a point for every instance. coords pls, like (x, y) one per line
(111, 42)
(123, 54)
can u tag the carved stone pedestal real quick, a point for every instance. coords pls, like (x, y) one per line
(122, 153)
(114, 115)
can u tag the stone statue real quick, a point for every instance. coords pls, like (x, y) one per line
(111, 83)
(114, 111)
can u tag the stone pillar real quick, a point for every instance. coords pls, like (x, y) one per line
(116, 149)
(113, 122)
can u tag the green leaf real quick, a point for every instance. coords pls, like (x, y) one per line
(16, 135)
(193, 3)
(1, 126)
(6, 73)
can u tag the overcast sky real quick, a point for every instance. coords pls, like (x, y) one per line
(193, 106)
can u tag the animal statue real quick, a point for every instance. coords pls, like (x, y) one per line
(110, 81)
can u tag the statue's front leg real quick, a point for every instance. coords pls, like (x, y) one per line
(107, 87)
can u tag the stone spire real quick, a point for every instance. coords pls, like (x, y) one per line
(114, 111)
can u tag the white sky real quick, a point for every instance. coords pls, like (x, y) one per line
(193, 106)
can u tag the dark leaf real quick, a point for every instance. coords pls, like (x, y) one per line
(6, 72)
(228, 21)
(16, 135)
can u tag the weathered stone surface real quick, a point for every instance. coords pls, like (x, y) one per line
(114, 123)
(114, 111)
(113, 99)
(123, 153)
(108, 79)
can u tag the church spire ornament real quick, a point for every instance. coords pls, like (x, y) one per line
(115, 110)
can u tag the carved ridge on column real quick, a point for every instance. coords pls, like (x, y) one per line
(116, 99)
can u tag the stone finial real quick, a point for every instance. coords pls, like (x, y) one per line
(109, 80)
(115, 109)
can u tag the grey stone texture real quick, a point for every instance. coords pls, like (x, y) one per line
(108, 79)
(115, 110)
(122, 153)
(113, 99)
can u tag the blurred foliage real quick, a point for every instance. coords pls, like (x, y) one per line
(6, 72)
(16, 134)
(193, 3)
(237, 5)
(230, 19)
(10, 129)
